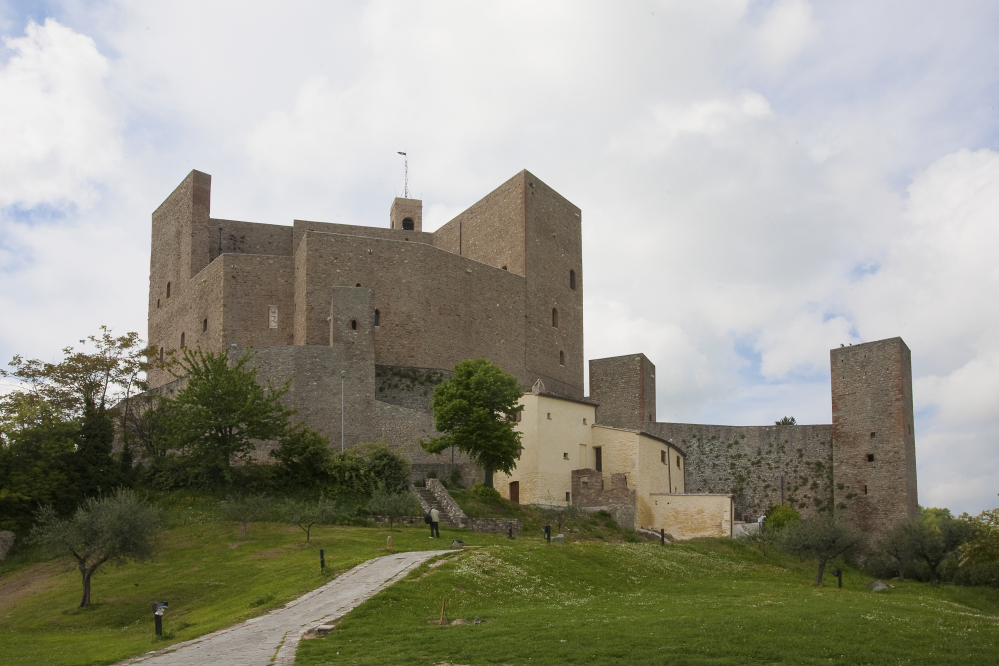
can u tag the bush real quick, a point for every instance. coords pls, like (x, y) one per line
(485, 493)
(780, 517)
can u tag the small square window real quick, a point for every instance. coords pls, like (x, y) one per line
(870, 457)
(565, 456)
(873, 434)
(567, 497)
(584, 421)
(549, 416)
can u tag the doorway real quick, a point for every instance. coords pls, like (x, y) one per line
(515, 492)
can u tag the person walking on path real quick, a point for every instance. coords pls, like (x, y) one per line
(435, 518)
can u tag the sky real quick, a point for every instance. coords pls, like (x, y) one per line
(760, 181)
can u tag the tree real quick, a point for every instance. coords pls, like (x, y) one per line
(392, 504)
(244, 510)
(934, 537)
(897, 545)
(306, 514)
(304, 457)
(112, 528)
(475, 410)
(823, 538)
(780, 518)
(787, 420)
(221, 412)
(387, 468)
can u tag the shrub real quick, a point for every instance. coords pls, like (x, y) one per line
(485, 493)
(780, 518)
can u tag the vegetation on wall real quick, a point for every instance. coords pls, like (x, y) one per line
(754, 476)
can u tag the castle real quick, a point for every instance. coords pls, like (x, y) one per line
(371, 318)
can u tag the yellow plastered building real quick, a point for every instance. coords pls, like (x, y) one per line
(638, 477)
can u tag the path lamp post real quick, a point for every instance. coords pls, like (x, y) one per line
(839, 575)
(343, 373)
(159, 607)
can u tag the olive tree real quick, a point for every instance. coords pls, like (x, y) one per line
(392, 504)
(305, 514)
(112, 528)
(823, 537)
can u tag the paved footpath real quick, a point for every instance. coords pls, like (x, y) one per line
(272, 639)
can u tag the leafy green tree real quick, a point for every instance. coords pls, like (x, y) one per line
(393, 504)
(304, 458)
(897, 545)
(787, 420)
(387, 468)
(38, 467)
(475, 410)
(935, 537)
(112, 528)
(823, 537)
(306, 514)
(221, 412)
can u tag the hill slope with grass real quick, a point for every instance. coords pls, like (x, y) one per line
(699, 602)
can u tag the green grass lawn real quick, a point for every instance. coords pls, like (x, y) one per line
(699, 602)
(211, 574)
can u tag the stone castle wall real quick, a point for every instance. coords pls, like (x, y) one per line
(748, 462)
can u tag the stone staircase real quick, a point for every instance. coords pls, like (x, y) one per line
(429, 501)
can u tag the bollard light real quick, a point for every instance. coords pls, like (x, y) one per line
(159, 607)
(839, 575)
(322, 560)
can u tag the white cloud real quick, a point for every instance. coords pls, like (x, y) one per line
(58, 125)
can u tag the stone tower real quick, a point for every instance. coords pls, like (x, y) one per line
(406, 214)
(874, 449)
(624, 387)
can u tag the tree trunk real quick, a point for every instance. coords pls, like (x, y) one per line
(933, 576)
(489, 476)
(901, 570)
(87, 573)
(822, 569)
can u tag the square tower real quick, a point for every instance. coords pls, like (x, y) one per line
(406, 214)
(624, 387)
(874, 448)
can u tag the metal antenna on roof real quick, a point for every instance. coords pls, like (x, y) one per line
(405, 187)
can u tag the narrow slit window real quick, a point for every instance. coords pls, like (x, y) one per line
(555, 317)
(678, 462)
(572, 279)
(182, 341)
(168, 290)
(561, 358)
(157, 303)
(662, 457)
(865, 490)
(377, 318)
(204, 326)
(567, 497)
(353, 324)
(598, 459)
(161, 354)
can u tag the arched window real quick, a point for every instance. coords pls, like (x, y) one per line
(561, 358)
(353, 324)
(377, 318)
(358, 284)
(204, 326)
(407, 224)
(555, 317)
(572, 279)
(504, 268)
(182, 343)
(168, 290)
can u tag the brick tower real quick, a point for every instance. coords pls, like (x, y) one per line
(874, 449)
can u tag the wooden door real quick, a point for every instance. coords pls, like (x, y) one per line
(515, 492)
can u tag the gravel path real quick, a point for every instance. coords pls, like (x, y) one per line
(271, 639)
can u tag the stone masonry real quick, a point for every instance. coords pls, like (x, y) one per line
(588, 492)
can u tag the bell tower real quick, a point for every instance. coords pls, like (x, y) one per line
(406, 214)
